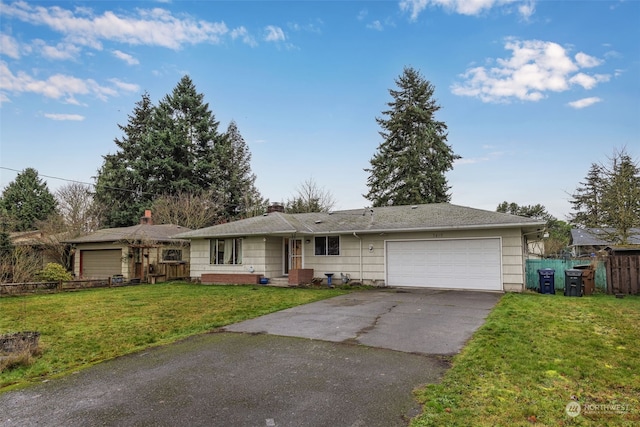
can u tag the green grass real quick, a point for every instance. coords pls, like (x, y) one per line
(534, 353)
(79, 329)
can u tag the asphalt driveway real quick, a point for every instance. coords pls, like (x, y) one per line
(419, 321)
(297, 367)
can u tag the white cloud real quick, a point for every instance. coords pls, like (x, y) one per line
(588, 82)
(464, 7)
(274, 34)
(153, 27)
(534, 69)
(125, 57)
(127, 87)
(9, 46)
(57, 86)
(527, 9)
(587, 61)
(243, 34)
(584, 102)
(71, 117)
(61, 51)
(375, 25)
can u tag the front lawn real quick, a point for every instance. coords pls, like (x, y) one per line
(537, 354)
(79, 329)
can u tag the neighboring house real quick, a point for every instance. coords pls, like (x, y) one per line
(587, 242)
(146, 252)
(48, 247)
(435, 245)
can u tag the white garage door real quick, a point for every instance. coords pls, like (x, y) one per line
(100, 264)
(452, 264)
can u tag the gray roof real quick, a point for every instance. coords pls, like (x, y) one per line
(598, 236)
(137, 233)
(436, 216)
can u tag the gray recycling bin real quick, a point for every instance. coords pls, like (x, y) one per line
(573, 283)
(546, 278)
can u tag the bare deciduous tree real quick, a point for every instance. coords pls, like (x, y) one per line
(310, 198)
(21, 265)
(76, 207)
(187, 210)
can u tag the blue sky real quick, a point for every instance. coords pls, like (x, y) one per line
(533, 92)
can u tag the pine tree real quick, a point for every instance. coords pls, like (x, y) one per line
(586, 200)
(239, 191)
(610, 199)
(27, 200)
(187, 141)
(410, 164)
(170, 149)
(121, 188)
(621, 197)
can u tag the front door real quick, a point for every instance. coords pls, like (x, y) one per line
(293, 254)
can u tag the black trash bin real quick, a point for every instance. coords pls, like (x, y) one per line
(547, 281)
(573, 283)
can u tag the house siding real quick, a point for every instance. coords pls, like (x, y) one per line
(253, 255)
(100, 246)
(155, 256)
(265, 255)
(273, 264)
(373, 261)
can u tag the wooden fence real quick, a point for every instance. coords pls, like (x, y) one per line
(560, 266)
(44, 287)
(623, 274)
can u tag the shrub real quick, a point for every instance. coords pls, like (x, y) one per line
(53, 272)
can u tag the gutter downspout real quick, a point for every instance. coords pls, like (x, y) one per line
(359, 238)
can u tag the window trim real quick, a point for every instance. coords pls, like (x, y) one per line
(215, 253)
(327, 247)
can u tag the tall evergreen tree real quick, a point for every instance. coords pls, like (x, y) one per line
(610, 198)
(587, 199)
(621, 197)
(187, 142)
(166, 150)
(410, 164)
(240, 195)
(27, 200)
(121, 184)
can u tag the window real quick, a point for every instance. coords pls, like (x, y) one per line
(327, 245)
(226, 251)
(172, 254)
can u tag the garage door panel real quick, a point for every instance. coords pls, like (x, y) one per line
(101, 263)
(453, 263)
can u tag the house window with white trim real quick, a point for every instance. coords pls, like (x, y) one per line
(225, 251)
(327, 245)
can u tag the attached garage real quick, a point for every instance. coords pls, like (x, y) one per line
(100, 264)
(445, 263)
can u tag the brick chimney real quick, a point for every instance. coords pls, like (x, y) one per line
(275, 207)
(146, 219)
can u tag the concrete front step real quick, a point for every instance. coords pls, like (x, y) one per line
(279, 281)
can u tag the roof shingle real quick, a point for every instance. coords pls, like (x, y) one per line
(436, 216)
